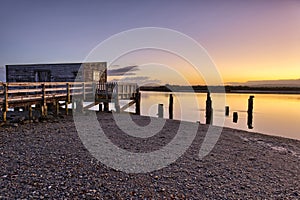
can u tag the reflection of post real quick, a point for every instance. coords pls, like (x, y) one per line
(209, 110)
(160, 110)
(235, 117)
(171, 107)
(227, 111)
(250, 112)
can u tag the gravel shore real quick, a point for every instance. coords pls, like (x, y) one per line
(48, 160)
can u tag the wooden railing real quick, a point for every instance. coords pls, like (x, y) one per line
(30, 92)
(25, 94)
(111, 89)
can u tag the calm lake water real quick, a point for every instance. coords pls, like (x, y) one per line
(273, 114)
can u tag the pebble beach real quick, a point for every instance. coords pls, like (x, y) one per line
(46, 159)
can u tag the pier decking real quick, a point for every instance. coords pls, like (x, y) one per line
(26, 94)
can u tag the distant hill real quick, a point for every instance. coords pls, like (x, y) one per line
(269, 83)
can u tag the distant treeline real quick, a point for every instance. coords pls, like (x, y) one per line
(216, 89)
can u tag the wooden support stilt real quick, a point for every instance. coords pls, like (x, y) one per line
(73, 106)
(44, 103)
(117, 106)
(106, 106)
(57, 108)
(160, 110)
(30, 113)
(100, 107)
(5, 101)
(171, 106)
(66, 108)
(138, 102)
(116, 98)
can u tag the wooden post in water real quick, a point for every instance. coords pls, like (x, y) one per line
(227, 111)
(160, 110)
(5, 101)
(171, 106)
(137, 102)
(250, 112)
(209, 110)
(235, 117)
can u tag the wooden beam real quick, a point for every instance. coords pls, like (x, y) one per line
(127, 106)
(91, 105)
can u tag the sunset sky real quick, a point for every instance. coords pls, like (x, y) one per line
(247, 40)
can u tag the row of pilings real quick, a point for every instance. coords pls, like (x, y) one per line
(209, 111)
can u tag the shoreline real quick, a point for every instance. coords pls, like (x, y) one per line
(230, 92)
(48, 160)
(17, 118)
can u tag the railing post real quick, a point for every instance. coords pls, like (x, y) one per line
(5, 102)
(68, 93)
(44, 103)
(83, 91)
(67, 99)
(94, 91)
(116, 97)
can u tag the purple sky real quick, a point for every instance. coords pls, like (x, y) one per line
(35, 31)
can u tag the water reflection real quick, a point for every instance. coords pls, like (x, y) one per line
(271, 113)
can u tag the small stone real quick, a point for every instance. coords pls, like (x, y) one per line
(14, 125)
(251, 158)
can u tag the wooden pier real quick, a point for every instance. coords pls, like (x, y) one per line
(45, 94)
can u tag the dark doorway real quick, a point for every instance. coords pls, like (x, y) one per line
(42, 76)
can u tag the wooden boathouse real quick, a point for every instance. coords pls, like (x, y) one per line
(42, 85)
(57, 72)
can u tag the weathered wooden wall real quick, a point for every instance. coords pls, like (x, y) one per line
(61, 72)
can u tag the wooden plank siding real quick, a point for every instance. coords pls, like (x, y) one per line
(57, 72)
